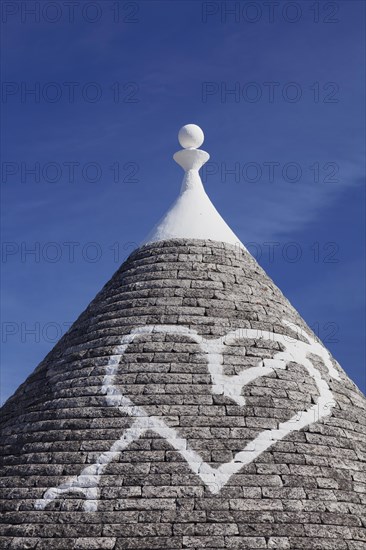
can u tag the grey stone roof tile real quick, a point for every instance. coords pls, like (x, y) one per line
(304, 490)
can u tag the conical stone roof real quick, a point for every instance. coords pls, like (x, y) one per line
(188, 407)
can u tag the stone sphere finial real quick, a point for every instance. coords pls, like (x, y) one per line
(191, 136)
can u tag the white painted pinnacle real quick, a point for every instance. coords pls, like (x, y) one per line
(192, 215)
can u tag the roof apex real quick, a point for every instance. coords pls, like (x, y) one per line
(192, 215)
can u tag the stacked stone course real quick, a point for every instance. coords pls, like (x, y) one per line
(306, 492)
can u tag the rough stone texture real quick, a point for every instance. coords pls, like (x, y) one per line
(305, 492)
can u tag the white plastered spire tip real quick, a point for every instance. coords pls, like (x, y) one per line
(192, 215)
(191, 136)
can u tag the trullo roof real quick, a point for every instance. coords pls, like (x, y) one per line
(188, 407)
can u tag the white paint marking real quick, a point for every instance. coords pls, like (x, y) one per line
(231, 386)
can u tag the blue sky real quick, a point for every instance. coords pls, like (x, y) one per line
(101, 128)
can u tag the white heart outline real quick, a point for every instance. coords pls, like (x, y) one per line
(297, 351)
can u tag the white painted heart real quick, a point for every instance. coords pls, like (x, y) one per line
(295, 350)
